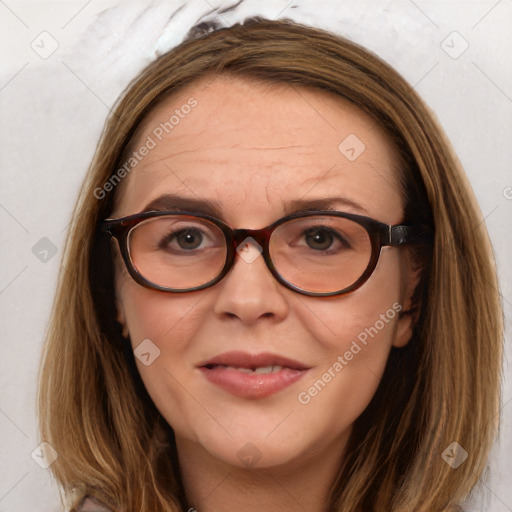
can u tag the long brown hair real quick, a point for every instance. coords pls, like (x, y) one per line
(443, 387)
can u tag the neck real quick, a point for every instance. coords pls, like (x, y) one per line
(214, 486)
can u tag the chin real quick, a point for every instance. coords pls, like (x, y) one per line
(256, 454)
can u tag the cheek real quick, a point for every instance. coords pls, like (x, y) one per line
(354, 334)
(167, 320)
(353, 357)
(162, 327)
(369, 313)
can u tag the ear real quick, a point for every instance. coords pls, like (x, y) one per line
(121, 317)
(410, 277)
(119, 280)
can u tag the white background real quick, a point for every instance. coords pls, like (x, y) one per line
(53, 109)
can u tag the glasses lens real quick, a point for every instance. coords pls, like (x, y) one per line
(177, 251)
(321, 254)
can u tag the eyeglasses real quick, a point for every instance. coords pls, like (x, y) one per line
(316, 253)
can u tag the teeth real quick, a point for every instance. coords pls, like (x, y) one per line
(262, 369)
(243, 370)
(268, 369)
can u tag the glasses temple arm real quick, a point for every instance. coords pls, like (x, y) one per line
(402, 234)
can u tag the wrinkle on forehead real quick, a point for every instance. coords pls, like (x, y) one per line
(276, 144)
(195, 151)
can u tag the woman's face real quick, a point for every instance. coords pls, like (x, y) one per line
(252, 150)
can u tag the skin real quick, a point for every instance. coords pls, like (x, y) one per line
(252, 147)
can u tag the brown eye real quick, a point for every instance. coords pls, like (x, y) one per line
(186, 238)
(322, 239)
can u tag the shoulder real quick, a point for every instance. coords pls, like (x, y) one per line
(91, 504)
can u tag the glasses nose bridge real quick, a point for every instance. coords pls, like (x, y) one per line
(261, 236)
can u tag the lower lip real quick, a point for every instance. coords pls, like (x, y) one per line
(251, 385)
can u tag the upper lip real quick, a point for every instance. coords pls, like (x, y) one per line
(248, 360)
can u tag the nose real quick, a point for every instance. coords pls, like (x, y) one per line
(249, 292)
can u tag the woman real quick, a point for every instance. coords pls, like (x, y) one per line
(282, 295)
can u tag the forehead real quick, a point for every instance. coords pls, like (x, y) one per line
(252, 146)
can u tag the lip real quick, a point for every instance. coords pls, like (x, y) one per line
(251, 385)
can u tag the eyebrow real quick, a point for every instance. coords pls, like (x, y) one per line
(175, 202)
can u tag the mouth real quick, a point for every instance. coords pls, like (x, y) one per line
(252, 375)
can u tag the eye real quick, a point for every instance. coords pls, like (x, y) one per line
(187, 239)
(322, 238)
